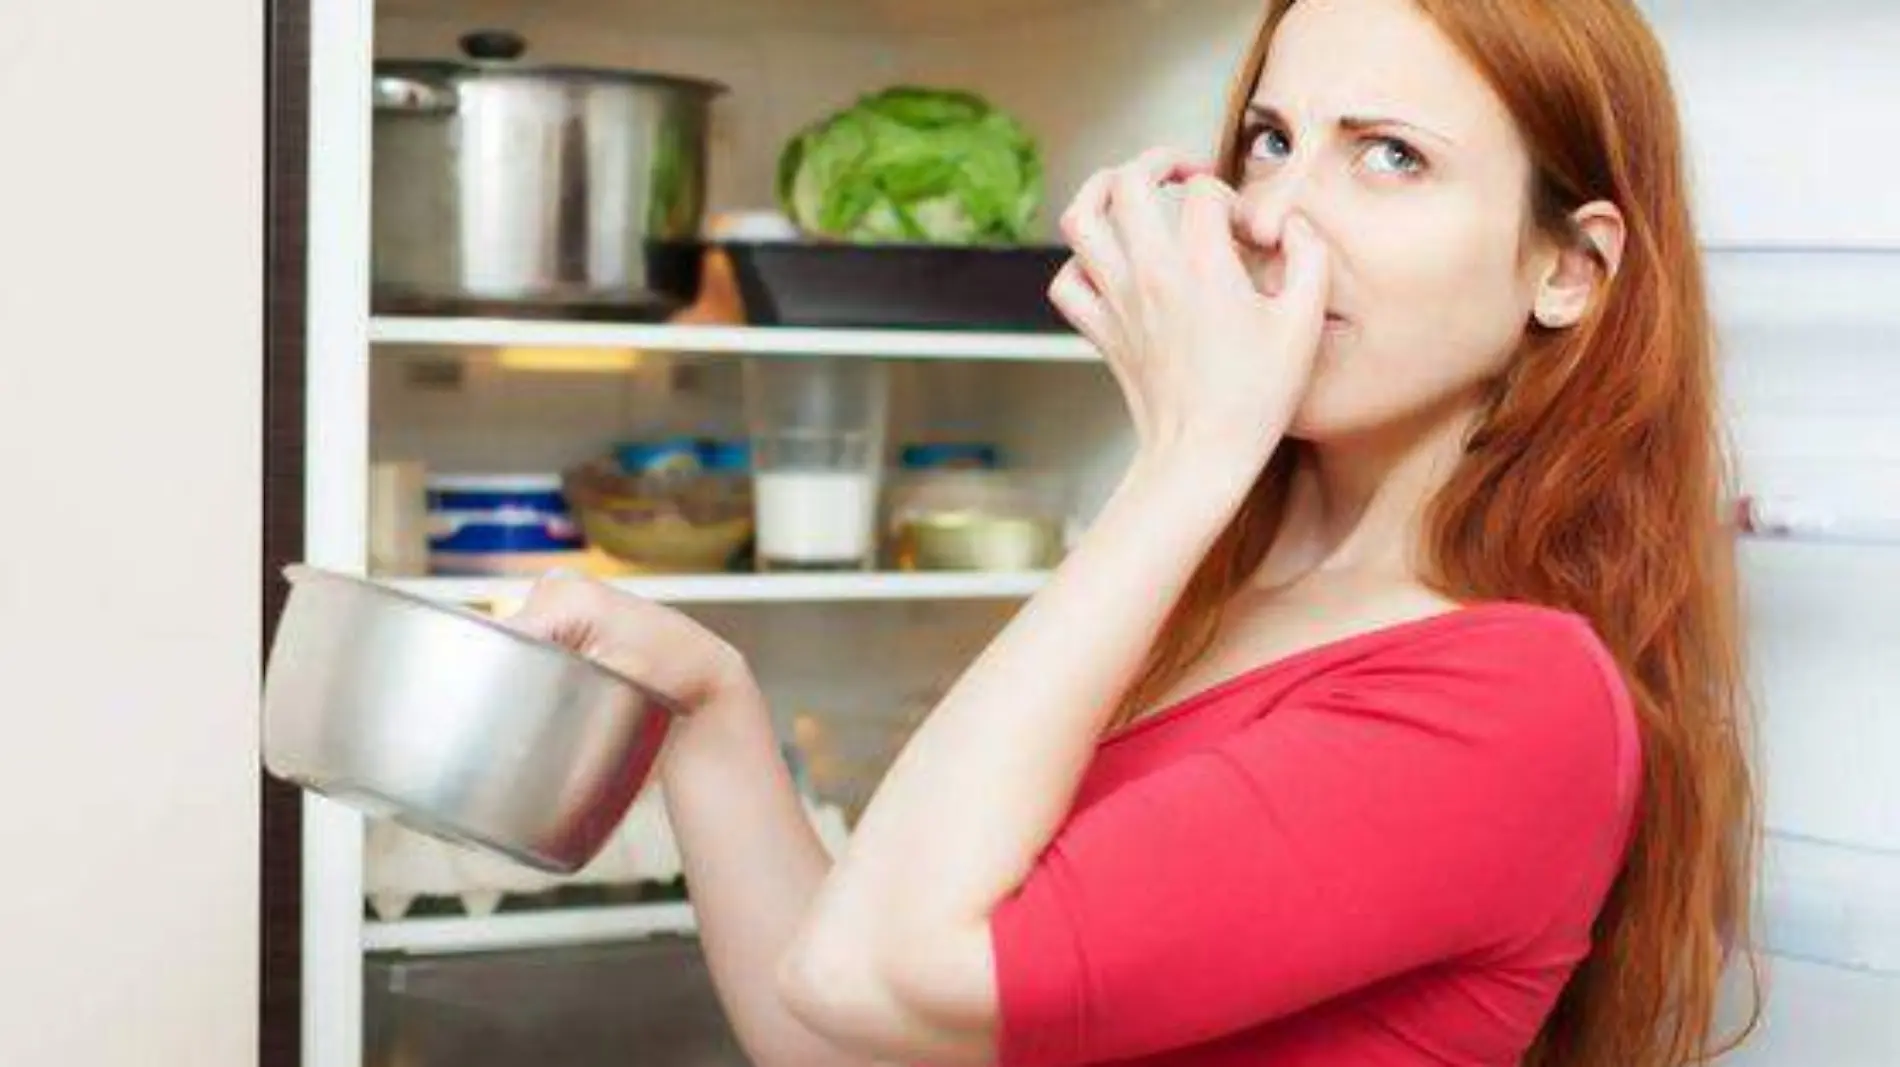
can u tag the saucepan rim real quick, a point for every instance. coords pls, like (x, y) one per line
(297, 572)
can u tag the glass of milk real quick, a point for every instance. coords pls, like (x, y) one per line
(818, 430)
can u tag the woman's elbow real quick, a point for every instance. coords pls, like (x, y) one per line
(821, 993)
(915, 1004)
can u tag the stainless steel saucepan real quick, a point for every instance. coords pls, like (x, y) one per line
(453, 724)
(506, 187)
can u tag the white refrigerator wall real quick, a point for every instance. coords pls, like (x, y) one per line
(1788, 113)
(1790, 128)
(131, 297)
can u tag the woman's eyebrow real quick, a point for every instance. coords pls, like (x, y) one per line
(1364, 123)
(1267, 113)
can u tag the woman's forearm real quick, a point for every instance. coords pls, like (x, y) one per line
(753, 864)
(895, 956)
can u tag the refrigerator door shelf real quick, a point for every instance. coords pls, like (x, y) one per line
(1831, 903)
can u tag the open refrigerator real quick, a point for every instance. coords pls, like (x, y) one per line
(413, 956)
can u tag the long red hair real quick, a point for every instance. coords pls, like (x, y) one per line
(1593, 482)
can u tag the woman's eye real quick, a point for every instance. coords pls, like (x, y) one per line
(1270, 144)
(1388, 155)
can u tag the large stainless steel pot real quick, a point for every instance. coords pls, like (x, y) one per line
(453, 724)
(517, 189)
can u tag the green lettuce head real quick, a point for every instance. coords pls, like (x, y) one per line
(914, 164)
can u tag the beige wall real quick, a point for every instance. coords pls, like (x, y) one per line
(130, 318)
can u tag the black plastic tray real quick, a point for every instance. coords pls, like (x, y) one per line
(893, 286)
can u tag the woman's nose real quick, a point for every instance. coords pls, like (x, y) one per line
(1260, 214)
(1258, 219)
(1261, 209)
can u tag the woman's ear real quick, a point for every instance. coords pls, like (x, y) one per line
(1582, 266)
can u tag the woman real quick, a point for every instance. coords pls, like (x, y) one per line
(1388, 713)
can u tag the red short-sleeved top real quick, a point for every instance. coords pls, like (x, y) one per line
(1384, 851)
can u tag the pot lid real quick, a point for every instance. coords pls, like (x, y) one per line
(498, 53)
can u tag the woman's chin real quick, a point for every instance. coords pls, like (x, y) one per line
(1335, 406)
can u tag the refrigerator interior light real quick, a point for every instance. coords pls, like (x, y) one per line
(540, 360)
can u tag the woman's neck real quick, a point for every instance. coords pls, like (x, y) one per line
(1356, 506)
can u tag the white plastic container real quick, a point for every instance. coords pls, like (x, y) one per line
(398, 519)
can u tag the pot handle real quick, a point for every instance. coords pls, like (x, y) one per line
(406, 95)
(493, 45)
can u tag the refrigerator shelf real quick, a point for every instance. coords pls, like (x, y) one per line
(1818, 520)
(553, 928)
(1830, 903)
(1822, 540)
